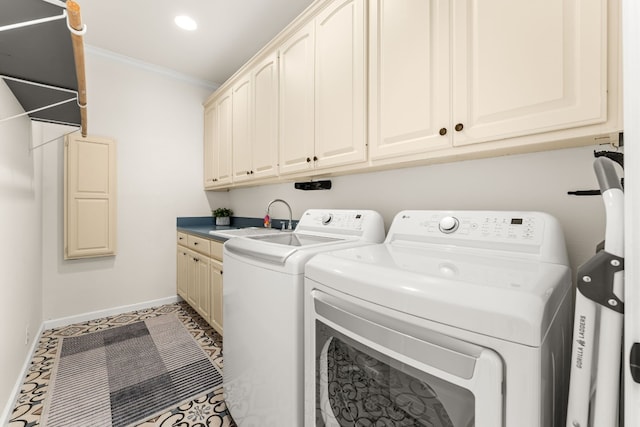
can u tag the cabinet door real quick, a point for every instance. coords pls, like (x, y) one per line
(296, 146)
(215, 276)
(89, 196)
(182, 266)
(203, 287)
(222, 146)
(264, 148)
(192, 278)
(210, 127)
(340, 83)
(409, 77)
(241, 119)
(523, 67)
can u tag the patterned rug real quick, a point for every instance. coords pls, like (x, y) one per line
(206, 410)
(124, 375)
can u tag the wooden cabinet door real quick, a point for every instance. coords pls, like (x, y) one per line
(182, 267)
(210, 127)
(296, 123)
(203, 287)
(215, 276)
(409, 77)
(223, 141)
(264, 148)
(89, 196)
(523, 67)
(340, 84)
(192, 278)
(241, 135)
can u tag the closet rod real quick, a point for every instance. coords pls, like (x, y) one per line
(77, 29)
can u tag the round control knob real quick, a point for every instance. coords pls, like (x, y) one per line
(326, 218)
(449, 224)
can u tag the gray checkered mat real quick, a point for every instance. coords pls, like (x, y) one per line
(124, 375)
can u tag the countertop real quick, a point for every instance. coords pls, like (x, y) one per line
(201, 226)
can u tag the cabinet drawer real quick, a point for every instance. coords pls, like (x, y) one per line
(216, 250)
(198, 244)
(182, 238)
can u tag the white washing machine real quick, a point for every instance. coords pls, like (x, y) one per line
(458, 319)
(263, 312)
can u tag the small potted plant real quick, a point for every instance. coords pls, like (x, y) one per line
(222, 216)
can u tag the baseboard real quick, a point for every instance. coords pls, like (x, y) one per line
(65, 321)
(5, 416)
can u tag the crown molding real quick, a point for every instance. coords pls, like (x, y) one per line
(92, 50)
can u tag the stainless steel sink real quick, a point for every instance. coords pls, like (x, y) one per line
(249, 231)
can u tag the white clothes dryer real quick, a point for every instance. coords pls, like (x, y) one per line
(458, 319)
(263, 312)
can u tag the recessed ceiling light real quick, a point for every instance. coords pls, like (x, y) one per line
(185, 22)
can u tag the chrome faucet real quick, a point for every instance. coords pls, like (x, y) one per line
(288, 207)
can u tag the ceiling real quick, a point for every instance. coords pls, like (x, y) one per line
(229, 31)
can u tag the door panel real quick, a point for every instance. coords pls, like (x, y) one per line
(522, 67)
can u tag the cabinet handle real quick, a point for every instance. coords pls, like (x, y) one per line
(251, 172)
(459, 127)
(196, 259)
(308, 160)
(443, 131)
(195, 243)
(315, 158)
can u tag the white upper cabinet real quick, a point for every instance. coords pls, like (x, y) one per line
(297, 101)
(217, 142)
(241, 129)
(210, 126)
(409, 76)
(224, 140)
(522, 67)
(355, 85)
(255, 122)
(264, 148)
(340, 84)
(513, 73)
(323, 91)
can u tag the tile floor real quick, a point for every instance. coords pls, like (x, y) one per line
(204, 411)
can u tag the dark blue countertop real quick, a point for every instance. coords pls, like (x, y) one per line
(201, 225)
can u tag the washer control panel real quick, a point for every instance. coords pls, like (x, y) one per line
(366, 224)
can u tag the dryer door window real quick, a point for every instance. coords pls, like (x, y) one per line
(370, 372)
(360, 386)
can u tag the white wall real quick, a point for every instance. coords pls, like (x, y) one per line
(156, 120)
(537, 181)
(20, 255)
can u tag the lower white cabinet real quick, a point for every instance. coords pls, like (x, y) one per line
(199, 276)
(182, 266)
(215, 274)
